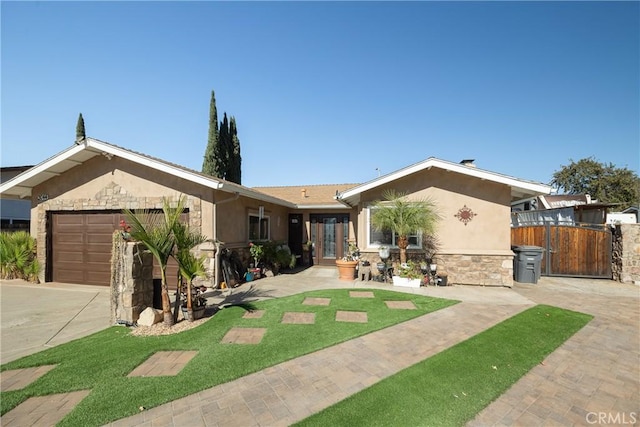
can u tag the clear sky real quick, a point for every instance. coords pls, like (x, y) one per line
(328, 92)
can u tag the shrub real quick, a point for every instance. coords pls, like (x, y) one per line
(18, 256)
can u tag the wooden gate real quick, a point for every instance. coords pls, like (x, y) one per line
(570, 250)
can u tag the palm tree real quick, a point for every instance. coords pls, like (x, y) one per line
(404, 217)
(189, 265)
(156, 232)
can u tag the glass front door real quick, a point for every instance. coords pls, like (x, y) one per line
(329, 233)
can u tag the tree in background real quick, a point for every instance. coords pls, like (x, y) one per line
(603, 182)
(222, 156)
(234, 174)
(211, 164)
(222, 153)
(80, 132)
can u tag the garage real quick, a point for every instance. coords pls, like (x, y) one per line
(80, 248)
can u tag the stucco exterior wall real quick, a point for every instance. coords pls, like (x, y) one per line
(477, 251)
(103, 184)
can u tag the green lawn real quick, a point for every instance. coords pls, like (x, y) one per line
(450, 388)
(102, 361)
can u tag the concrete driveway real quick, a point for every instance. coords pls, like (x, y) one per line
(34, 317)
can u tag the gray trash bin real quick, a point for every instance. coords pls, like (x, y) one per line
(527, 263)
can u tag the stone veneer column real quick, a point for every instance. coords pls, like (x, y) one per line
(131, 281)
(629, 262)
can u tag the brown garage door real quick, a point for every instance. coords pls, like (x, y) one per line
(81, 248)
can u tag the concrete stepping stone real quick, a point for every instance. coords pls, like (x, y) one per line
(16, 379)
(43, 410)
(244, 336)
(163, 363)
(299, 318)
(316, 301)
(401, 305)
(351, 316)
(361, 294)
(255, 314)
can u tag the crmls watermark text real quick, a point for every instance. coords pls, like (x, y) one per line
(612, 418)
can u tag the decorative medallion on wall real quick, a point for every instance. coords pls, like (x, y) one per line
(465, 214)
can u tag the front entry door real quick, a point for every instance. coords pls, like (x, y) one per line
(329, 233)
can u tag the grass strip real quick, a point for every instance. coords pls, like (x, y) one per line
(452, 387)
(102, 361)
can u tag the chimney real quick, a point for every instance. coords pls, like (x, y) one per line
(468, 162)
(303, 193)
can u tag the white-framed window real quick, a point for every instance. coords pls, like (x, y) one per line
(259, 228)
(375, 238)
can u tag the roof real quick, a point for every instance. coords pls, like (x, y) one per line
(8, 172)
(22, 185)
(312, 196)
(519, 188)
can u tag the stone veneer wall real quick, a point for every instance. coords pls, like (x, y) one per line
(482, 270)
(131, 280)
(111, 197)
(626, 253)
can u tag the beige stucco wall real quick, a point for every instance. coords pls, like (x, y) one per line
(476, 253)
(115, 184)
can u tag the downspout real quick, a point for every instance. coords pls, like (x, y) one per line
(216, 277)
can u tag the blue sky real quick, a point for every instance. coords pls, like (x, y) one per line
(328, 92)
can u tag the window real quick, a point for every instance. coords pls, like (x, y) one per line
(258, 228)
(388, 238)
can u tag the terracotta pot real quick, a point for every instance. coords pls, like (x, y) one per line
(346, 269)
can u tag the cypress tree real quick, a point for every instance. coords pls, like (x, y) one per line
(211, 163)
(80, 132)
(222, 153)
(235, 159)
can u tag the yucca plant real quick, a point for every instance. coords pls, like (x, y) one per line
(18, 256)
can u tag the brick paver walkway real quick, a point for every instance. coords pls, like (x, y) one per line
(592, 379)
(316, 301)
(299, 318)
(244, 336)
(163, 363)
(351, 316)
(293, 390)
(20, 378)
(401, 305)
(43, 410)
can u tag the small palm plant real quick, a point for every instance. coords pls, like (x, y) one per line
(156, 232)
(402, 216)
(189, 265)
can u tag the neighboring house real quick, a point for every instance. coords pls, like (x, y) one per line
(627, 216)
(14, 214)
(78, 195)
(566, 209)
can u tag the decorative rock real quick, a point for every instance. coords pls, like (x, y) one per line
(149, 317)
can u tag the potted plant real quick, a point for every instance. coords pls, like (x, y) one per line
(409, 275)
(348, 264)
